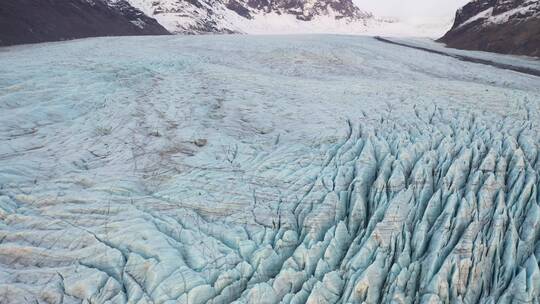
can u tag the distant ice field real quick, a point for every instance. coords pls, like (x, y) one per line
(265, 169)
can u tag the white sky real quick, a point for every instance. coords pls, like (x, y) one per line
(411, 9)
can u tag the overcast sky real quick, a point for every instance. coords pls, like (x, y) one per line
(417, 9)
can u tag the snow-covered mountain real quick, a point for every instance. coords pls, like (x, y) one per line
(28, 21)
(504, 26)
(255, 16)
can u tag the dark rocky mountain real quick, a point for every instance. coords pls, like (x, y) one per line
(29, 21)
(502, 26)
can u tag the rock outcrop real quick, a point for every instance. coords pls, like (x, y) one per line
(502, 26)
(30, 21)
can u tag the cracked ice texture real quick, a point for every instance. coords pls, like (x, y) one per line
(300, 169)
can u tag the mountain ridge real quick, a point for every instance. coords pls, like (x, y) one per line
(241, 16)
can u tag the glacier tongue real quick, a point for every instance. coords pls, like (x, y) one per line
(297, 169)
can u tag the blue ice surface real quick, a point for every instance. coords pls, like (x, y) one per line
(265, 169)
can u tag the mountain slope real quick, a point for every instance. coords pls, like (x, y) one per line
(502, 26)
(29, 21)
(248, 16)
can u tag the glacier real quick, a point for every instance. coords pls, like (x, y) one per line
(265, 169)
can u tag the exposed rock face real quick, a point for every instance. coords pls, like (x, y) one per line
(230, 16)
(502, 26)
(29, 21)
